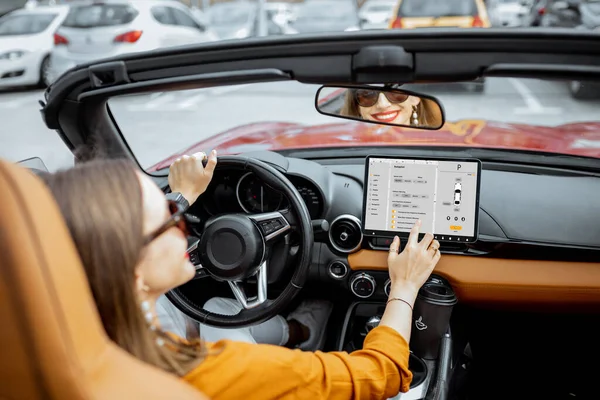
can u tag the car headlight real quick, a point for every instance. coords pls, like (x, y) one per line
(12, 55)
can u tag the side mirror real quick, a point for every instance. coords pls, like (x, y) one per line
(381, 105)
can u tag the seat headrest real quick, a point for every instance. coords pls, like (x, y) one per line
(53, 343)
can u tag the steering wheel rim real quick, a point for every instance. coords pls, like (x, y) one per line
(297, 217)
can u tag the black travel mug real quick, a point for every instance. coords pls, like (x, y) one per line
(431, 317)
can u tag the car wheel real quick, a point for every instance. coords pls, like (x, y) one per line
(44, 70)
(583, 90)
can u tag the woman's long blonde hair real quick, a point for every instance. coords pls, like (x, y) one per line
(101, 202)
(428, 111)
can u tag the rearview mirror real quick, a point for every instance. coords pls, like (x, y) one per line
(380, 105)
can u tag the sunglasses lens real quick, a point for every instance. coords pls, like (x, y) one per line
(181, 223)
(366, 98)
(396, 97)
(173, 207)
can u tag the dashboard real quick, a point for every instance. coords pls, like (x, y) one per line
(240, 191)
(539, 229)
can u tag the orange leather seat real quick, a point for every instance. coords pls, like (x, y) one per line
(52, 343)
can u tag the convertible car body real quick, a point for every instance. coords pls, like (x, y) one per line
(581, 139)
(528, 289)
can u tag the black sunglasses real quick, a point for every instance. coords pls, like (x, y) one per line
(177, 219)
(368, 98)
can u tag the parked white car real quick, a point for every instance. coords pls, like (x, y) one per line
(508, 13)
(376, 14)
(26, 41)
(95, 30)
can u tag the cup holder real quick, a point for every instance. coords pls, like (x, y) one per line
(418, 368)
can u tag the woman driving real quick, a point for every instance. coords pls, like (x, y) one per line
(132, 243)
(391, 107)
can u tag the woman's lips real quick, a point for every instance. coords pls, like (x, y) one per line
(386, 116)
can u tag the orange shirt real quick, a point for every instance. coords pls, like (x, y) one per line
(236, 370)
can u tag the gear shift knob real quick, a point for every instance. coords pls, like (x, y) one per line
(373, 322)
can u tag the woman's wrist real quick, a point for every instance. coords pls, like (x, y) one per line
(405, 291)
(187, 195)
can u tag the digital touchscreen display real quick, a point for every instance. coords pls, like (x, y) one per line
(442, 193)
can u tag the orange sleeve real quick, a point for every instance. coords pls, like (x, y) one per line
(235, 370)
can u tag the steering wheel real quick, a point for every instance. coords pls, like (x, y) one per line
(235, 247)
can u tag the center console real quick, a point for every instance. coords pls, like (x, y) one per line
(430, 343)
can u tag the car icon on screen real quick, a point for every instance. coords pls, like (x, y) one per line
(457, 193)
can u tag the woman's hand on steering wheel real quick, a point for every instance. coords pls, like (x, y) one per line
(189, 176)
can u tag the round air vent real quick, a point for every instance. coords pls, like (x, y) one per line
(345, 233)
(337, 270)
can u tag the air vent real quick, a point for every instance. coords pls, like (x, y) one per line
(345, 233)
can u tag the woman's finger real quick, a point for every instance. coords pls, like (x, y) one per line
(212, 163)
(436, 258)
(199, 156)
(426, 241)
(394, 247)
(413, 238)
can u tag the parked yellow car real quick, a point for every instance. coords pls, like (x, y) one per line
(410, 14)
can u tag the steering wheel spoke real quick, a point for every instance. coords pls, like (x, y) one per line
(261, 289)
(272, 225)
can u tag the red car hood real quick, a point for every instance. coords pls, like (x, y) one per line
(581, 139)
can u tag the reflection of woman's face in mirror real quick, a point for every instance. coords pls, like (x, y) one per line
(386, 107)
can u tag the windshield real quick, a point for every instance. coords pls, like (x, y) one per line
(100, 15)
(505, 113)
(25, 24)
(437, 8)
(230, 14)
